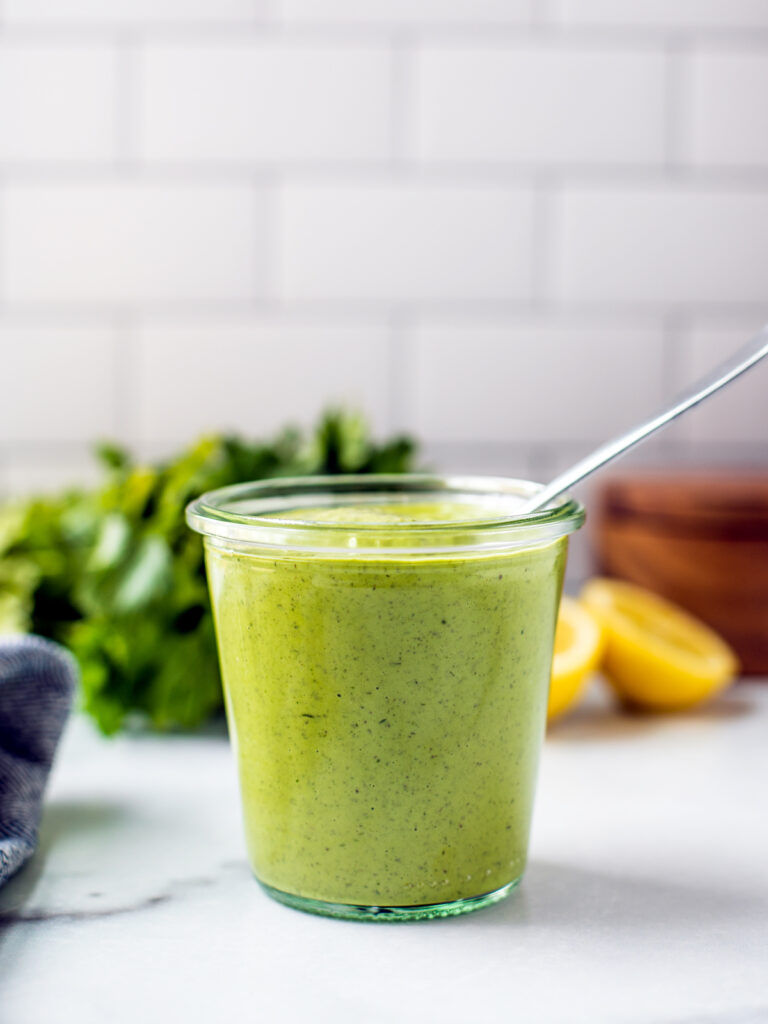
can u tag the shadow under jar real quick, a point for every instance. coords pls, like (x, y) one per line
(385, 646)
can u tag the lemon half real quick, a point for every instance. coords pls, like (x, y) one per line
(578, 646)
(656, 655)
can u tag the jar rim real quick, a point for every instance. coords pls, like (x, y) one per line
(247, 514)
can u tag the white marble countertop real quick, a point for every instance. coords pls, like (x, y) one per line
(646, 897)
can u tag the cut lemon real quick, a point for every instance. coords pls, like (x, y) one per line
(657, 655)
(578, 645)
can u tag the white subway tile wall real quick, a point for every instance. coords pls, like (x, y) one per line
(406, 242)
(57, 103)
(739, 414)
(43, 371)
(256, 374)
(504, 382)
(540, 103)
(271, 102)
(668, 244)
(727, 126)
(133, 242)
(131, 12)
(510, 227)
(690, 14)
(431, 12)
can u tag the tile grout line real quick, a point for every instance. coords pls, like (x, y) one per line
(271, 290)
(3, 246)
(676, 114)
(400, 376)
(543, 241)
(126, 126)
(412, 34)
(124, 352)
(673, 331)
(674, 325)
(472, 174)
(402, 102)
(480, 310)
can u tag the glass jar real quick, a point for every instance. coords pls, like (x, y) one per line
(385, 645)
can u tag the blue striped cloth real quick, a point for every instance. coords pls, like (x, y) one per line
(37, 680)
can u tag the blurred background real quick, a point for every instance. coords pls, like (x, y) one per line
(507, 227)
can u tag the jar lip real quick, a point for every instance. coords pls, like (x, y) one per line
(246, 513)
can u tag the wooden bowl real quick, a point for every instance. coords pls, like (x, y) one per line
(698, 538)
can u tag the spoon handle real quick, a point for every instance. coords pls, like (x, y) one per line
(742, 360)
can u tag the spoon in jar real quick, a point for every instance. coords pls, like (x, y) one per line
(740, 361)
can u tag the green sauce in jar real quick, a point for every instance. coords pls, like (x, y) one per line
(387, 712)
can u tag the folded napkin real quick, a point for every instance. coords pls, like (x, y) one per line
(37, 680)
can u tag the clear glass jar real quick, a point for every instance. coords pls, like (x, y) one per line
(385, 646)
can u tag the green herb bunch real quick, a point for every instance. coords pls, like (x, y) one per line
(116, 575)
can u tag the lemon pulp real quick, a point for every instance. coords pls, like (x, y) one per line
(578, 646)
(657, 655)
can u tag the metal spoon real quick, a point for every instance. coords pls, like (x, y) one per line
(740, 361)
